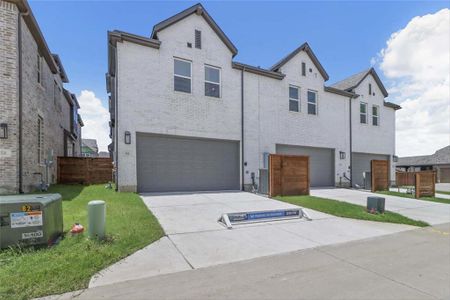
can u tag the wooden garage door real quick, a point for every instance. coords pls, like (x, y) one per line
(173, 164)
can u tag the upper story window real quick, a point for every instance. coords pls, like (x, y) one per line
(57, 96)
(182, 75)
(363, 112)
(370, 89)
(303, 69)
(312, 103)
(40, 140)
(212, 81)
(198, 39)
(375, 115)
(294, 98)
(39, 69)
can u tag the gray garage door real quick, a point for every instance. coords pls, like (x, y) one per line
(361, 164)
(169, 164)
(321, 162)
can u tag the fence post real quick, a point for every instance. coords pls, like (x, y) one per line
(417, 187)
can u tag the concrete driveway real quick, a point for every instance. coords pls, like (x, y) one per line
(431, 212)
(196, 240)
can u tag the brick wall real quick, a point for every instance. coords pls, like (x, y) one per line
(39, 100)
(8, 97)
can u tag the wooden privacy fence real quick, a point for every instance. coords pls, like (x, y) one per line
(425, 184)
(380, 175)
(288, 175)
(405, 178)
(84, 170)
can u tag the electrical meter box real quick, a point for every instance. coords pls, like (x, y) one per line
(30, 219)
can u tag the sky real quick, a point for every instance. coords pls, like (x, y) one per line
(408, 43)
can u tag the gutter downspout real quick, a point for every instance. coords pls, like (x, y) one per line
(351, 137)
(242, 128)
(19, 50)
(116, 113)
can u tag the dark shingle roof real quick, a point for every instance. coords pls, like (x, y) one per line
(440, 157)
(353, 81)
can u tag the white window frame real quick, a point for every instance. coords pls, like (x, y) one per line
(315, 104)
(376, 116)
(212, 82)
(182, 76)
(360, 113)
(293, 99)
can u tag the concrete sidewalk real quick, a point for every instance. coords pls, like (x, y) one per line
(430, 212)
(196, 240)
(408, 265)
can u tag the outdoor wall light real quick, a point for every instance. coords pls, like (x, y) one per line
(127, 137)
(341, 154)
(3, 131)
(394, 158)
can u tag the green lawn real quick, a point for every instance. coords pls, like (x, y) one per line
(400, 194)
(443, 192)
(68, 266)
(348, 210)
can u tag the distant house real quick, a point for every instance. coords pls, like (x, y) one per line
(89, 148)
(39, 118)
(439, 161)
(104, 154)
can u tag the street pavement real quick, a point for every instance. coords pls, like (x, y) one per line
(413, 264)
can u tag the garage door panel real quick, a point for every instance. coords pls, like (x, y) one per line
(444, 175)
(321, 161)
(361, 164)
(185, 164)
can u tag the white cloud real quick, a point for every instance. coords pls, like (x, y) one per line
(95, 118)
(416, 62)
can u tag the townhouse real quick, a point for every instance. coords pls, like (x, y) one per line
(186, 116)
(39, 118)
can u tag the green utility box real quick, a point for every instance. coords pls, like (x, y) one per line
(375, 204)
(30, 219)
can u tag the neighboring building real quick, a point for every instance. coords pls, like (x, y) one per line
(439, 162)
(202, 121)
(89, 148)
(38, 117)
(104, 154)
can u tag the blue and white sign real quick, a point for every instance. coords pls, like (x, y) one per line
(260, 216)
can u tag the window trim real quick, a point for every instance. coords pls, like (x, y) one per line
(182, 76)
(315, 104)
(212, 82)
(376, 116)
(366, 113)
(40, 144)
(370, 89)
(199, 44)
(293, 99)
(39, 69)
(303, 68)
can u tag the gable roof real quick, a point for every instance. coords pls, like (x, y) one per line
(441, 156)
(199, 10)
(353, 81)
(304, 47)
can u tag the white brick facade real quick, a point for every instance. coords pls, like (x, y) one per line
(147, 102)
